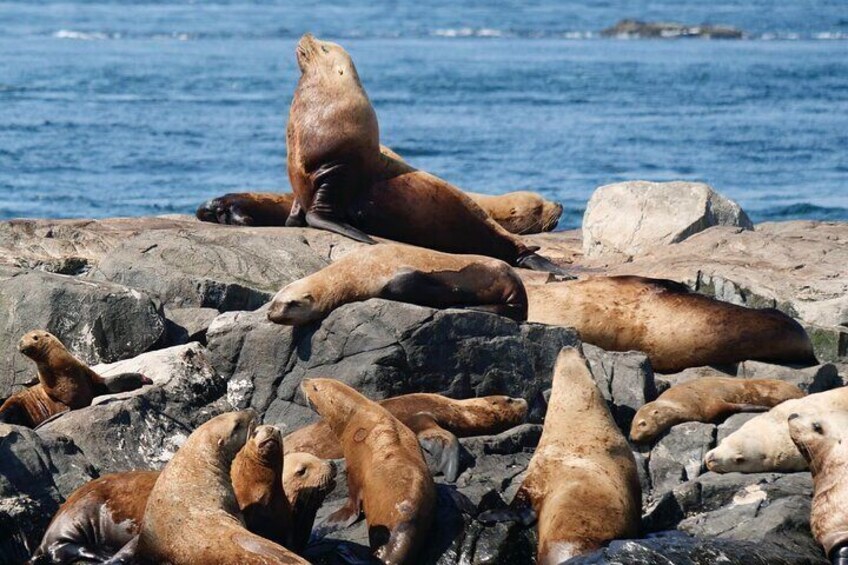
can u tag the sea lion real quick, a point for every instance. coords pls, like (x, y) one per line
(675, 327)
(406, 274)
(521, 212)
(708, 399)
(819, 438)
(763, 444)
(307, 480)
(343, 183)
(581, 484)
(192, 515)
(387, 477)
(64, 383)
(103, 515)
(437, 421)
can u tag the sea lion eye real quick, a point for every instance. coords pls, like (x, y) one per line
(739, 459)
(324, 49)
(643, 424)
(35, 338)
(301, 471)
(817, 428)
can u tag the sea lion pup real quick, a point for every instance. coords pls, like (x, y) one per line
(387, 477)
(64, 382)
(581, 484)
(192, 515)
(675, 327)
(343, 183)
(307, 480)
(819, 438)
(437, 421)
(708, 399)
(763, 444)
(406, 274)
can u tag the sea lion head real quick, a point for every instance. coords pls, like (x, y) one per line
(37, 343)
(740, 453)
(551, 213)
(325, 59)
(307, 479)
(265, 444)
(815, 435)
(333, 400)
(296, 304)
(511, 411)
(229, 432)
(652, 419)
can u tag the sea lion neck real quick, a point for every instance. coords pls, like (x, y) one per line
(53, 363)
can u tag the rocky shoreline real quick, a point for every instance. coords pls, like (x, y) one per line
(182, 302)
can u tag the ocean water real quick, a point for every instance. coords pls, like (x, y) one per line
(129, 108)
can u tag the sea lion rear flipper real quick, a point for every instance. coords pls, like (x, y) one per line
(536, 262)
(730, 408)
(442, 445)
(342, 518)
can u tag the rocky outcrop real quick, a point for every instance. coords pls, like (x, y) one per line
(629, 218)
(635, 29)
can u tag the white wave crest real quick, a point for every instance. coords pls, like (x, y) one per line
(81, 35)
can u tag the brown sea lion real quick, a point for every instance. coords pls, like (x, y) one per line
(708, 399)
(581, 485)
(64, 383)
(406, 274)
(387, 477)
(437, 421)
(521, 212)
(307, 480)
(675, 327)
(820, 439)
(343, 183)
(192, 515)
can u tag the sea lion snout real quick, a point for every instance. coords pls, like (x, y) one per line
(292, 308)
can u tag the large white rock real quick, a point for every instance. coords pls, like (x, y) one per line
(632, 217)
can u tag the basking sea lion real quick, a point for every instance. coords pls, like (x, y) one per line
(521, 212)
(387, 477)
(708, 399)
(64, 383)
(192, 515)
(406, 274)
(102, 516)
(581, 485)
(763, 444)
(819, 438)
(343, 183)
(675, 327)
(437, 421)
(307, 480)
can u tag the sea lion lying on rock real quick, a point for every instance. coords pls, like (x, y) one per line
(437, 420)
(763, 444)
(581, 486)
(64, 383)
(344, 184)
(820, 439)
(387, 477)
(708, 399)
(675, 327)
(103, 515)
(406, 274)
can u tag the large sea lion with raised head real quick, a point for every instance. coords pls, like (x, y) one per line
(708, 399)
(581, 486)
(675, 327)
(343, 183)
(406, 274)
(387, 477)
(436, 420)
(822, 439)
(192, 514)
(64, 383)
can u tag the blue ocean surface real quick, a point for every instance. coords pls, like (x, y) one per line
(131, 108)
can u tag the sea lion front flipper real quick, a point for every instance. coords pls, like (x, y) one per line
(520, 510)
(323, 213)
(536, 262)
(297, 217)
(328, 223)
(515, 312)
(262, 547)
(125, 555)
(342, 518)
(74, 552)
(442, 445)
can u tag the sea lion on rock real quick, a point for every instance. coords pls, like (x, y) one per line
(64, 383)
(307, 480)
(437, 421)
(675, 327)
(763, 444)
(406, 274)
(521, 212)
(819, 438)
(343, 183)
(708, 399)
(581, 484)
(192, 515)
(387, 477)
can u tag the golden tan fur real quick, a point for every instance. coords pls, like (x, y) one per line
(707, 399)
(307, 480)
(386, 473)
(463, 418)
(380, 271)
(674, 327)
(582, 481)
(192, 515)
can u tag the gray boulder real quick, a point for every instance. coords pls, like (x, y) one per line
(679, 455)
(629, 218)
(626, 380)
